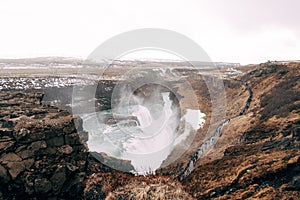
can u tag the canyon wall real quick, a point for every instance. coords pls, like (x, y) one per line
(41, 152)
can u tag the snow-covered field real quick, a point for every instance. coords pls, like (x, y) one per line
(28, 83)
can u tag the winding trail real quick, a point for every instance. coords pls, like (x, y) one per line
(208, 143)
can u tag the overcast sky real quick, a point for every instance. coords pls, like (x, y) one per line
(245, 31)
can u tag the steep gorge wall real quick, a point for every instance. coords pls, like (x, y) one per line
(41, 152)
(264, 160)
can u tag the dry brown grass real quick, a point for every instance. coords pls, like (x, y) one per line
(118, 185)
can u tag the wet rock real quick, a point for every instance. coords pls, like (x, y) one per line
(125, 165)
(78, 123)
(296, 183)
(56, 141)
(42, 185)
(69, 128)
(296, 133)
(58, 179)
(84, 136)
(29, 179)
(72, 139)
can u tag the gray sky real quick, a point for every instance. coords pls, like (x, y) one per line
(233, 30)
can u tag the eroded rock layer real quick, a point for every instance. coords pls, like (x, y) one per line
(41, 152)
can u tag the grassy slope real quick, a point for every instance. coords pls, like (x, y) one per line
(264, 159)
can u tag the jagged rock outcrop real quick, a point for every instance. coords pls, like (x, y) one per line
(42, 155)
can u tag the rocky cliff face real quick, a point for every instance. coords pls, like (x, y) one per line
(258, 154)
(41, 153)
(43, 156)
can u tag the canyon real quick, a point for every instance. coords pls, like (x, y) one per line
(249, 149)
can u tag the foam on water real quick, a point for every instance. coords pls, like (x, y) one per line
(146, 143)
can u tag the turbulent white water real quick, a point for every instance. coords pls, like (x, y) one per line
(147, 140)
(143, 115)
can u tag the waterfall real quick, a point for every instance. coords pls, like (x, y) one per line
(148, 142)
(153, 145)
(143, 115)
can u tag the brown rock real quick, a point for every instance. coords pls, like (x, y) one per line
(10, 157)
(24, 154)
(36, 146)
(28, 163)
(66, 149)
(29, 160)
(27, 135)
(15, 168)
(4, 145)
